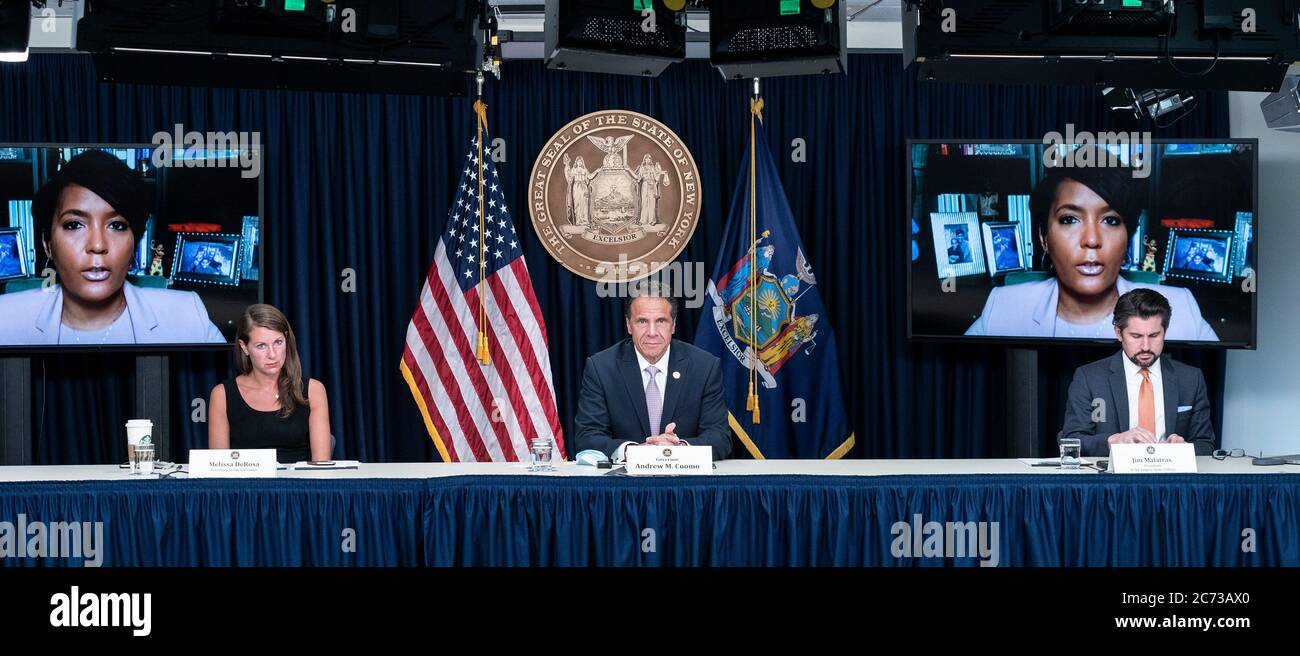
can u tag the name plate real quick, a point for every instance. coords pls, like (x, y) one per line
(648, 460)
(1153, 458)
(232, 463)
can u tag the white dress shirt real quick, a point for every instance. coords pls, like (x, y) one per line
(661, 378)
(661, 381)
(1133, 378)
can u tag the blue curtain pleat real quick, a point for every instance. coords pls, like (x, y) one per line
(741, 521)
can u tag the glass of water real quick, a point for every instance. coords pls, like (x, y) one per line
(543, 450)
(142, 460)
(1071, 449)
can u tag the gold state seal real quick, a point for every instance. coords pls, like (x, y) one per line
(614, 196)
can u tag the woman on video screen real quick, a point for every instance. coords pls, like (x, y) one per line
(89, 216)
(1085, 217)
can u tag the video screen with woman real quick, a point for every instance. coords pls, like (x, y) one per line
(1010, 241)
(100, 248)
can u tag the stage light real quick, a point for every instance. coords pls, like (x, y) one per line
(599, 36)
(15, 29)
(1282, 109)
(749, 39)
(1137, 44)
(1164, 106)
(400, 46)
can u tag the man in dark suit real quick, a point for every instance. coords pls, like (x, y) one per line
(651, 388)
(1137, 396)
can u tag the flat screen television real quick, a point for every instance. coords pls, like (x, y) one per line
(118, 247)
(1029, 242)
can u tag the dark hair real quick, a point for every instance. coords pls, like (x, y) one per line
(105, 175)
(1142, 303)
(290, 382)
(643, 288)
(1115, 185)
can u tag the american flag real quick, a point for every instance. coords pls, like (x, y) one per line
(476, 412)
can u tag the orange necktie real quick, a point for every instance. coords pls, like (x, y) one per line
(1147, 403)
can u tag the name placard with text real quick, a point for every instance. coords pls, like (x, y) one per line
(648, 460)
(1153, 458)
(232, 463)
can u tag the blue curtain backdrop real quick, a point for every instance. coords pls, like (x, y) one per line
(363, 183)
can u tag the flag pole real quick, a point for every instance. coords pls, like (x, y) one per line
(480, 110)
(755, 113)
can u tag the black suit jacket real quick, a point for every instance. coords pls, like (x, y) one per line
(612, 410)
(1103, 380)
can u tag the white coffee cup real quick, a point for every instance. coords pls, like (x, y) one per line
(137, 430)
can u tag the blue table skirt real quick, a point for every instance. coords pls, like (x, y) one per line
(1042, 520)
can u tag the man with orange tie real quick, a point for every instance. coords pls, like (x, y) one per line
(1137, 396)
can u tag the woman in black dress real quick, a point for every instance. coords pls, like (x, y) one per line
(270, 404)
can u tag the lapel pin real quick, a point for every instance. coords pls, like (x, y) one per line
(676, 375)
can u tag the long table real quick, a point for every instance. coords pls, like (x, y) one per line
(749, 513)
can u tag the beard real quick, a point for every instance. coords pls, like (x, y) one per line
(1135, 358)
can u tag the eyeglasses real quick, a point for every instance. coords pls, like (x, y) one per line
(1220, 454)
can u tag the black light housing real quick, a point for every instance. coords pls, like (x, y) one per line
(599, 36)
(390, 46)
(749, 39)
(15, 29)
